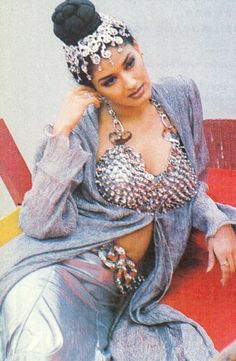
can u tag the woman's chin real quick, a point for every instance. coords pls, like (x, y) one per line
(143, 97)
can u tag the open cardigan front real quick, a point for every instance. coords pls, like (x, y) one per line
(64, 215)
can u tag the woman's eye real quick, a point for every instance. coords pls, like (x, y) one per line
(109, 82)
(130, 63)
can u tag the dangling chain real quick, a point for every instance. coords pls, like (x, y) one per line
(162, 114)
(120, 136)
(116, 123)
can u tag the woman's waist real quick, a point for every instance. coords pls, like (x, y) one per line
(136, 243)
(123, 256)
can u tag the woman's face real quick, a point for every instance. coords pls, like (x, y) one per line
(126, 81)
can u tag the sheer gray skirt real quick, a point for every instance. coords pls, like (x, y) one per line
(65, 312)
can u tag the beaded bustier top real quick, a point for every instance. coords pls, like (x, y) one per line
(122, 179)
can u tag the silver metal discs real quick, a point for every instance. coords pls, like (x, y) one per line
(122, 179)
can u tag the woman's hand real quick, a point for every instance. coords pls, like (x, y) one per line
(223, 247)
(75, 103)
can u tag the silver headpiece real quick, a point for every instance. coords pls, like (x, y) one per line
(108, 33)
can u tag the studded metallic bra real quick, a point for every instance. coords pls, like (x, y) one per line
(121, 177)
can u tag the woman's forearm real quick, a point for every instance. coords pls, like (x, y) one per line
(48, 209)
(206, 216)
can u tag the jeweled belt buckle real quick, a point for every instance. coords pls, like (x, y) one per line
(126, 276)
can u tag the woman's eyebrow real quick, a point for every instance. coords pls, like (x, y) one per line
(108, 76)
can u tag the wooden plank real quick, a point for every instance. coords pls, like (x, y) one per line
(13, 169)
(9, 227)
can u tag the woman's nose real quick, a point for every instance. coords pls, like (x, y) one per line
(129, 81)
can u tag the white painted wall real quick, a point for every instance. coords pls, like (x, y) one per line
(195, 38)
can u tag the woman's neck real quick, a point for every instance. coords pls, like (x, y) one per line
(128, 114)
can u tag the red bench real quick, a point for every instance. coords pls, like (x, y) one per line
(194, 292)
(13, 169)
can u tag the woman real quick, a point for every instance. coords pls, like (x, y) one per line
(118, 183)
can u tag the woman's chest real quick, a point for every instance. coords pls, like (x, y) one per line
(146, 139)
(143, 167)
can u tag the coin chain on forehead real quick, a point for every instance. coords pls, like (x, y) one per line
(109, 33)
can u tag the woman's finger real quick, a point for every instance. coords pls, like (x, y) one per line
(211, 258)
(93, 100)
(86, 91)
(231, 263)
(234, 258)
(88, 97)
(225, 270)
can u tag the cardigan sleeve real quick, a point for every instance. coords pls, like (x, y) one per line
(207, 216)
(48, 209)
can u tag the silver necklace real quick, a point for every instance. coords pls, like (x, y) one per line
(120, 136)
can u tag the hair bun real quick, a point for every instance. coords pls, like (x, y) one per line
(75, 19)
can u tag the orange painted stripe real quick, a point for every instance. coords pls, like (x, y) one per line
(9, 227)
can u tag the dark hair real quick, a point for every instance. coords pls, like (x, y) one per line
(73, 20)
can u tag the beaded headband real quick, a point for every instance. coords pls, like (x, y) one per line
(108, 33)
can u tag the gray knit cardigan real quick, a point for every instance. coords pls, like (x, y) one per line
(64, 214)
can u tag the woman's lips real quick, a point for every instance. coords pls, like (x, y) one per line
(138, 93)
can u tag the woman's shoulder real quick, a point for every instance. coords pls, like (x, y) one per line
(174, 85)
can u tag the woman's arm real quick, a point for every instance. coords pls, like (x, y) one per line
(48, 209)
(206, 215)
